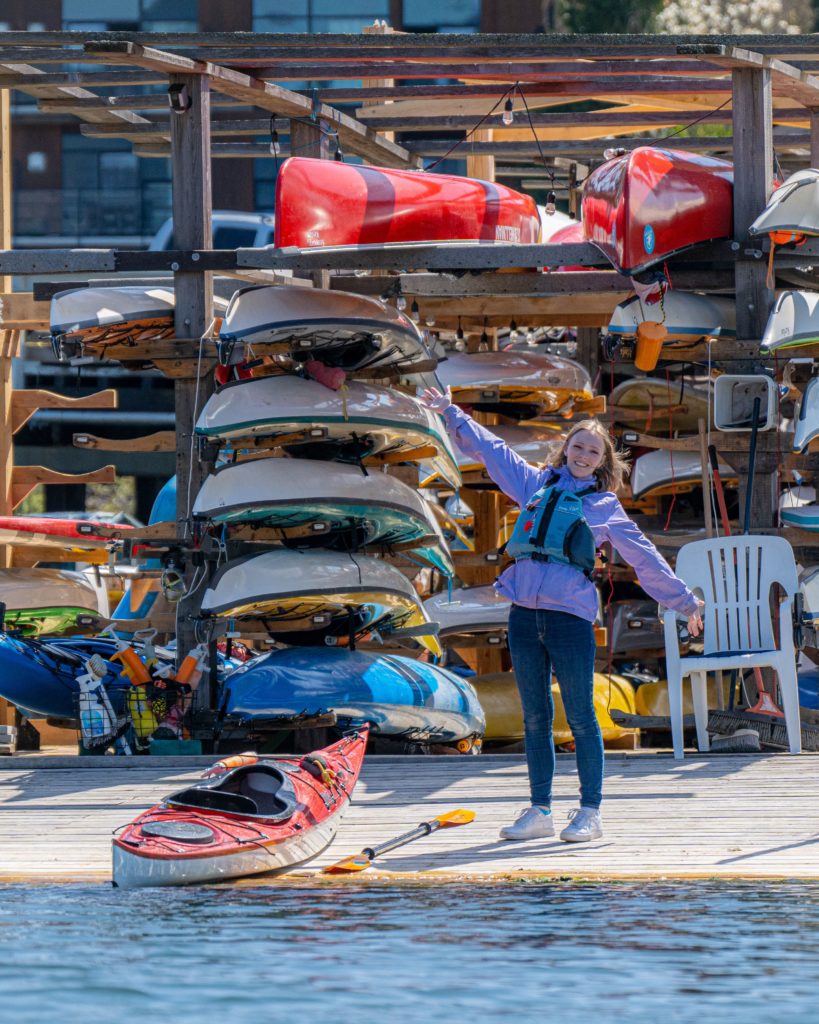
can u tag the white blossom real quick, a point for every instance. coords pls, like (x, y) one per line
(723, 17)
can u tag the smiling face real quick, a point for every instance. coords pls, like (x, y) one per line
(584, 453)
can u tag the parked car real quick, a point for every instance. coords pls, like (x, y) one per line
(232, 229)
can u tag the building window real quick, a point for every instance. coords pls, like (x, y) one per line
(36, 162)
(317, 15)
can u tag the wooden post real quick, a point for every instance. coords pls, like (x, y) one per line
(753, 174)
(9, 340)
(588, 349)
(308, 139)
(190, 163)
(814, 137)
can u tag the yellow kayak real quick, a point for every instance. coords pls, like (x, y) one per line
(498, 694)
(652, 698)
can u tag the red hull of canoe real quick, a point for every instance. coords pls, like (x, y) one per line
(152, 860)
(569, 235)
(324, 202)
(643, 207)
(56, 527)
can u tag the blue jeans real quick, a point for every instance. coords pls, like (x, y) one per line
(541, 641)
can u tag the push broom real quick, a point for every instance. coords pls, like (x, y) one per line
(765, 717)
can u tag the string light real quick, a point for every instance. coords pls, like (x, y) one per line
(415, 312)
(550, 202)
(508, 115)
(530, 337)
(459, 334)
(400, 302)
(513, 332)
(483, 345)
(275, 149)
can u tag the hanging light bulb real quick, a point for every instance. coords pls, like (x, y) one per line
(508, 115)
(400, 302)
(530, 337)
(429, 320)
(415, 312)
(459, 334)
(274, 143)
(513, 332)
(483, 345)
(550, 202)
(613, 151)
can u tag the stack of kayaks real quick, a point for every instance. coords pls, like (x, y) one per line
(299, 482)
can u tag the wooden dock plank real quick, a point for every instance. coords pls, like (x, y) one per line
(719, 816)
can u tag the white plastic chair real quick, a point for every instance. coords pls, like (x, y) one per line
(734, 575)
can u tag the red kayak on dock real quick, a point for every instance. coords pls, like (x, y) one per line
(323, 203)
(649, 204)
(249, 816)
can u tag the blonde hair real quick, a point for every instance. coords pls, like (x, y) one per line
(611, 471)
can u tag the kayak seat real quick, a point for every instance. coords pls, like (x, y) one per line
(260, 790)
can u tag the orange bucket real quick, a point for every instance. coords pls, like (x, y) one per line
(650, 338)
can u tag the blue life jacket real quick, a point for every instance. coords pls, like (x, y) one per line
(551, 527)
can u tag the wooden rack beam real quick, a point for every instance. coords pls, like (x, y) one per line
(355, 137)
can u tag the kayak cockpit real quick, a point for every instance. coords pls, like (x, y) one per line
(260, 790)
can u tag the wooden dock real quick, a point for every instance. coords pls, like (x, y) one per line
(718, 816)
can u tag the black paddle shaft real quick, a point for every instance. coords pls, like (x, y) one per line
(424, 829)
(749, 485)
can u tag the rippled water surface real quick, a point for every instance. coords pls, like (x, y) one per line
(664, 953)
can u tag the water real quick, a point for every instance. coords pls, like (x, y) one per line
(667, 953)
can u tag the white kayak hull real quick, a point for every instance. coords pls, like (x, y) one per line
(686, 316)
(805, 517)
(338, 504)
(130, 870)
(288, 589)
(469, 610)
(794, 206)
(806, 423)
(339, 328)
(662, 469)
(515, 371)
(793, 321)
(367, 419)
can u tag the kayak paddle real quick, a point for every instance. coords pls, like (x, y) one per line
(363, 860)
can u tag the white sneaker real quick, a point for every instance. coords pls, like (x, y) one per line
(533, 823)
(584, 825)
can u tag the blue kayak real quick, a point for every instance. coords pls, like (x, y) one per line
(40, 677)
(162, 511)
(398, 696)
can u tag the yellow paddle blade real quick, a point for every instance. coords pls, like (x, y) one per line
(459, 817)
(357, 863)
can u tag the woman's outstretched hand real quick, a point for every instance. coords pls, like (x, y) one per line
(436, 400)
(695, 620)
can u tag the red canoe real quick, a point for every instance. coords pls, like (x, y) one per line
(569, 235)
(649, 204)
(75, 529)
(324, 202)
(251, 819)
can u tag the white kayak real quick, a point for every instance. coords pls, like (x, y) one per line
(686, 316)
(804, 517)
(794, 206)
(534, 444)
(327, 504)
(551, 384)
(806, 423)
(809, 589)
(309, 597)
(338, 328)
(97, 317)
(659, 471)
(48, 601)
(793, 321)
(468, 610)
(345, 425)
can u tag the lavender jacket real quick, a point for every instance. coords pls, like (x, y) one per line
(562, 588)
